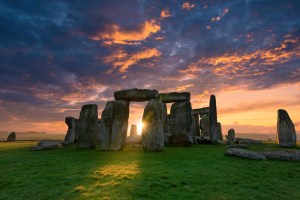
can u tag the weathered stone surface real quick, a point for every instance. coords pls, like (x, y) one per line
(114, 125)
(134, 139)
(194, 130)
(71, 133)
(238, 146)
(197, 125)
(243, 153)
(153, 130)
(201, 111)
(219, 128)
(47, 145)
(204, 126)
(282, 155)
(136, 94)
(174, 97)
(286, 133)
(168, 133)
(181, 123)
(231, 135)
(99, 130)
(11, 137)
(213, 120)
(87, 127)
(133, 130)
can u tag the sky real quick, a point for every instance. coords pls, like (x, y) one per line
(56, 56)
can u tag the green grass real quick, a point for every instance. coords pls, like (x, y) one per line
(198, 172)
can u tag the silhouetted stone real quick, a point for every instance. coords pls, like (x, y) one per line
(201, 111)
(174, 97)
(135, 94)
(153, 130)
(243, 153)
(286, 133)
(230, 135)
(204, 126)
(133, 130)
(87, 127)
(181, 123)
(282, 155)
(213, 129)
(114, 125)
(220, 131)
(194, 130)
(11, 137)
(71, 133)
(249, 141)
(167, 131)
(133, 139)
(238, 146)
(47, 145)
(197, 125)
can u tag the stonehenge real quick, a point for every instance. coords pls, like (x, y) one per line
(11, 137)
(87, 127)
(286, 133)
(71, 136)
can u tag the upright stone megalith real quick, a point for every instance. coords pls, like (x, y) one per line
(153, 130)
(114, 124)
(286, 133)
(133, 130)
(71, 133)
(11, 137)
(220, 131)
(87, 127)
(181, 123)
(213, 120)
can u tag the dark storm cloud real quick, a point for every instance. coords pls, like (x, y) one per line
(62, 54)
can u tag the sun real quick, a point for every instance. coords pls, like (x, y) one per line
(140, 128)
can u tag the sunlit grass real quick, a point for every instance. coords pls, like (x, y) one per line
(198, 172)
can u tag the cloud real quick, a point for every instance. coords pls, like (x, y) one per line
(121, 61)
(114, 34)
(188, 6)
(165, 13)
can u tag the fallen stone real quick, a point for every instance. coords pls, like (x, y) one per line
(286, 133)
(153, 130)
(114, 125)
(136, 94)
(71, 133)
(181, 124)
(238, 146)
(243, 153)
(221, 142)
(87, 127)
(11, 137)
(174, 97)
(133, 130)
(213, 120)
(282, 155)
(47, 145)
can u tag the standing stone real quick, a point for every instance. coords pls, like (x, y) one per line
(213, 129)
(133, 130)
(153, 130)
(11, 137)
(194, 130)
(135, 94)
(71, 133)
(114, 125)
(286, 133)
(230, 136)
(181, 123)
(220, 131)
(197, 124)
(204, 126)
(87, 127)
(99, 130)
(168, 133)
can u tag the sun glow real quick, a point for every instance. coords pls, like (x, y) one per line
(140, 128)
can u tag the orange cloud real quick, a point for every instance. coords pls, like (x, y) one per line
(188, 6)
(114, 34)
(123, 61)
(165, 13)
(184, 87)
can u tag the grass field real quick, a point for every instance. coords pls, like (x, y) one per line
(198, 172)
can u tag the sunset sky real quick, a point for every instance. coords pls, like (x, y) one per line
(56, 56)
